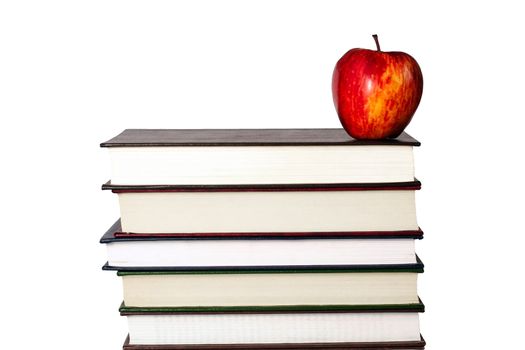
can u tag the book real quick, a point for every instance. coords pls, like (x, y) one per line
(156, 328)
(393, 345)
(262, 156)
(270, 288)
(267, 208)
(254, 251)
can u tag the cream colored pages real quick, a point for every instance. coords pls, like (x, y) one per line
(307, 211)
(261, 165)
(270, 289)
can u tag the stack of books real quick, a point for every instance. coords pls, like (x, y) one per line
(265, 239)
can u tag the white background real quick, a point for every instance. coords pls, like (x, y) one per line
(76, 73)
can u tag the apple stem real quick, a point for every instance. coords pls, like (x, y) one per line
(377, 42)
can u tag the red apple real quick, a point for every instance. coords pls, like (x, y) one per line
(376, 93)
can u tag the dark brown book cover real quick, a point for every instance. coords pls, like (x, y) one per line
(246, 137)
(382, 186)
(412, 345)
(114, 235)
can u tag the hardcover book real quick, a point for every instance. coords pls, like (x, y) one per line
(131, 252)
(214, 328)
(270, 287)
(262, 156)
(268, 208)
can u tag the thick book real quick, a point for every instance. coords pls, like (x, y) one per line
(393, 345)
(144, 251)
(267, 208)
(288, 327)
(256, 156)
(271, 287)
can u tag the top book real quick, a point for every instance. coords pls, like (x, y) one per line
(256, 156)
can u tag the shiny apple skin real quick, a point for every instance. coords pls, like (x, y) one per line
(376, 93)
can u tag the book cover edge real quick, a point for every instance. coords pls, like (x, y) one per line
(391, 345)
(370, 186)
(115, 235)
(404, 139)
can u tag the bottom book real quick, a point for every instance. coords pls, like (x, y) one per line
(211, 329)
(393, 345)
